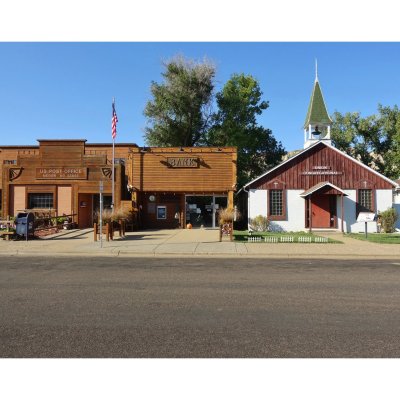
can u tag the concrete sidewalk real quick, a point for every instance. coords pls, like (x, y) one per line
(195, 242)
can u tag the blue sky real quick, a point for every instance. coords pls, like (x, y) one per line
(64, 90)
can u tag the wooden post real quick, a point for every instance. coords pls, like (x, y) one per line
(309, 213)
(342, 212)
(8, 227)
(230, 199)
(95, 232)
(183, 211)
(107, 231)
(220, 233)
(231, 232)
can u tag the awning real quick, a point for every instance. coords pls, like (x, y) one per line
(319, 186)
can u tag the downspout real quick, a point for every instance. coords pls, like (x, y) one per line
(248, 207)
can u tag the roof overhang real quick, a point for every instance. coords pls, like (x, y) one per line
(319, 186)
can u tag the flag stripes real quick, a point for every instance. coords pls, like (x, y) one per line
(114, 121)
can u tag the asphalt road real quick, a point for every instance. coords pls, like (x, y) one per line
(153, 307)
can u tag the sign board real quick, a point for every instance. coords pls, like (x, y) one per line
(61, 173)
(366, 217)
(183, 162)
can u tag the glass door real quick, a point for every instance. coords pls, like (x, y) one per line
(199, 211)
(202, 211)
(219, 202)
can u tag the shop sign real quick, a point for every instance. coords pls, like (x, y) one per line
(61, 173)
(183, 162)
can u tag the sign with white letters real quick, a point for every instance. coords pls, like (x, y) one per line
(61, 173)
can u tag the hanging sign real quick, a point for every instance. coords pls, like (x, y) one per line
(61, 173)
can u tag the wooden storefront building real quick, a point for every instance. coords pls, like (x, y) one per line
(174, 186)
(163, 187)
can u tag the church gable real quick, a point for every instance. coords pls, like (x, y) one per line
(321, 163)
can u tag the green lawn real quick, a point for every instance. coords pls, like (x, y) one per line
(393, 238)
(242, 236)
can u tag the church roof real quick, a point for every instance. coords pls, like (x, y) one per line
(319, 143)
(317, 112)
(319, 186)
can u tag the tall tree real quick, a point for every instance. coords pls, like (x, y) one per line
(179, 113)
(374, 140)
(235, 124)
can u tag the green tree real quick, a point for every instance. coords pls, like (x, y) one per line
(180, 111)
(235, 124)
(374, 140)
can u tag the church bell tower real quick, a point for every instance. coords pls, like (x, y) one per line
(317, 126)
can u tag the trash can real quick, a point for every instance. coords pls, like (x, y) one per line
(24, 224)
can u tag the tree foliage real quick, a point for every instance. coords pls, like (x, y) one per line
(180, 111)
(235, 124)
(374, 140)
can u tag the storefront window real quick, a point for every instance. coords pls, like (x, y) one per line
(40, 200)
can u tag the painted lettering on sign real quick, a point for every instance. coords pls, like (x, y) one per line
(61, 173)
(322, 172)
(183, 162)
(321, 167)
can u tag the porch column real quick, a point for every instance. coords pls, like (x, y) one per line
(342, 211)
(309, 214)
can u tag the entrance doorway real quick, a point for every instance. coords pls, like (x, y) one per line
(85, 210)
(202, 211)
(89, 206)
(323, 211)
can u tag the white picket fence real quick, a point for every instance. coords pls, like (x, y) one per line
(287, 239)
(304, 239)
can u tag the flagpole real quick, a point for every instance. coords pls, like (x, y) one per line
(113, 160)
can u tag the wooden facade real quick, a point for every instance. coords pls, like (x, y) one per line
(155, 182)
(165, 177)
(67, 170)
(319, 164)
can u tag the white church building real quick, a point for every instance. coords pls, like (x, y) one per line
(320, 187)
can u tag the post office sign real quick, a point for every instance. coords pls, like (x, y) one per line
(61, 173)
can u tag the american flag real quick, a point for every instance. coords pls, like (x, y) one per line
(114, 121)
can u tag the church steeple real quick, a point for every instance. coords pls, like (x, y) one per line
(317, 125)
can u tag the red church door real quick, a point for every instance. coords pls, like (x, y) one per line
(320, 208)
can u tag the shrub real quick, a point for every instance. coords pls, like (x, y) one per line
(113, 215)
(388, 219)
(259, 223)
(226, 215)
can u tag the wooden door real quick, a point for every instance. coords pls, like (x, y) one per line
(320, 208)
(85, 213)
